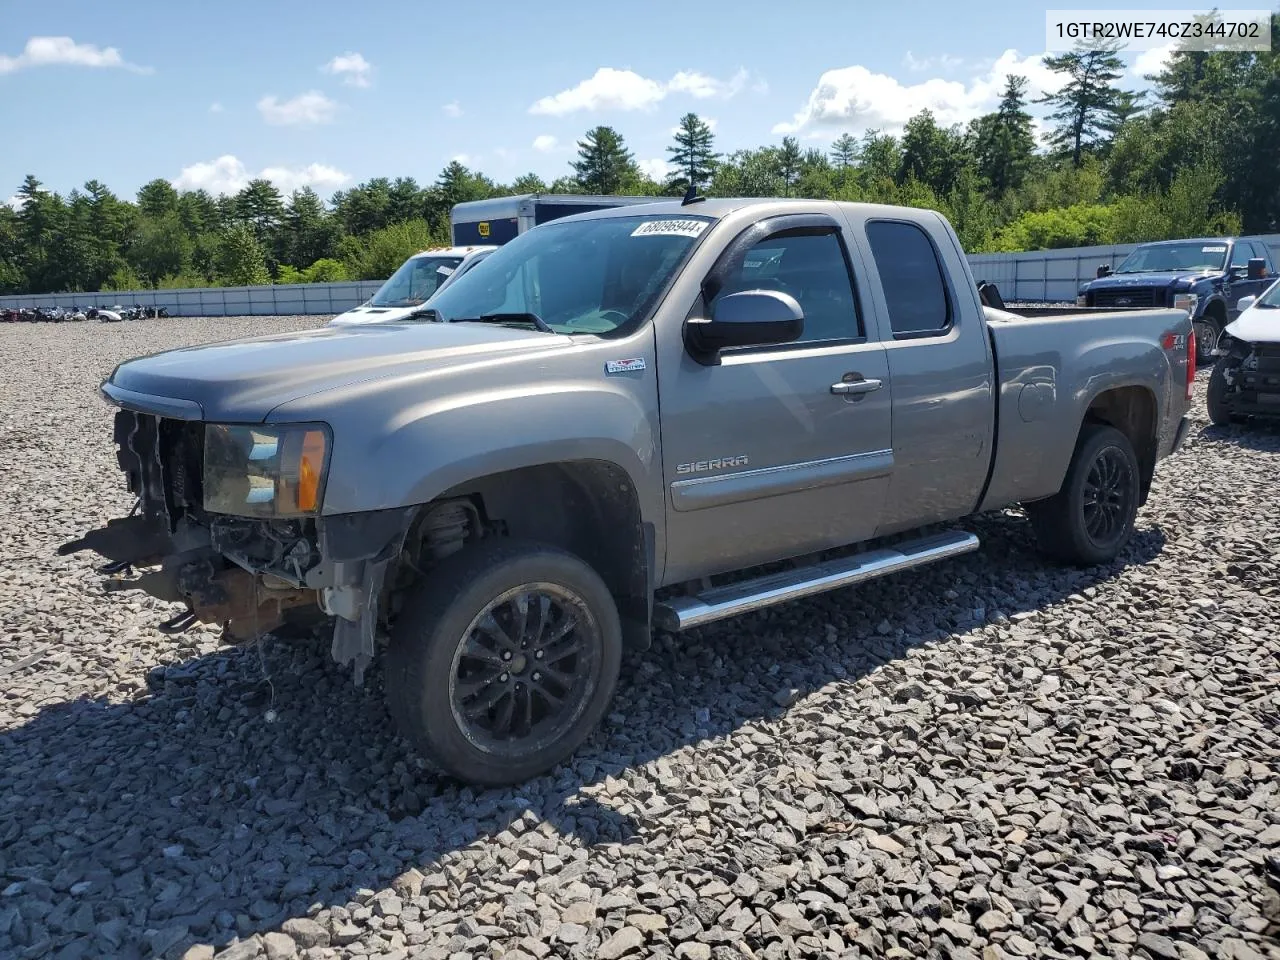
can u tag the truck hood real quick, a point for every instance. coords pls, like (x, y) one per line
(1256, 325)
(244, 380)
(1167, 279)
(370, 314)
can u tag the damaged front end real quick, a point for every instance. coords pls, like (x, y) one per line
(1250, 374)
(253, 574)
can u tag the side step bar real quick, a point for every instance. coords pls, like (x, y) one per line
(684, 613)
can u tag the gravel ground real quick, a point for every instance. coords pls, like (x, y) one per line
(988, 758)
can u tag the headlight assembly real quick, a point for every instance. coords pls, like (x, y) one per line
(1187, 302)
(265, 470)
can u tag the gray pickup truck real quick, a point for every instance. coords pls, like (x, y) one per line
(561, 451)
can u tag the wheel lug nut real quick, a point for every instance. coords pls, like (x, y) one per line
(537, 655)
(505, 677)
(506, 654)
(537, 676)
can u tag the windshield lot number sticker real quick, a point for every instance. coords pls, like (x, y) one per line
(670, 228)
(1213, 249)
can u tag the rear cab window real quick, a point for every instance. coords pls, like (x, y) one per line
(915, 288)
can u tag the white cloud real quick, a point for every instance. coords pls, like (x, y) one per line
(611, 89)
(854, 98)
(944, 62)
(306, 109)
(462, 158)
(655, 169)
(15, 202)
(228, 174)
(63, 51)
(1150, 62)
(545, 143)
(354, 69)
(704, 87)
(452, 109)
(215, 107)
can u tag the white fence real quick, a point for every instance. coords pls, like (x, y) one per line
(274, 300)
(1040, 275)
(1055, 275)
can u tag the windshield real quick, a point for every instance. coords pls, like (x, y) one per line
(415, 281)
(586, 276)
(1177, 257)
(1270, 298)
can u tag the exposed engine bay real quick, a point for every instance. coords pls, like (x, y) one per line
(258, 575)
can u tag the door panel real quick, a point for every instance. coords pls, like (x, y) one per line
(764, 462)
(940, 362)
(777, 452)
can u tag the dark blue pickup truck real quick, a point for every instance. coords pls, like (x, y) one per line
(1207, 276)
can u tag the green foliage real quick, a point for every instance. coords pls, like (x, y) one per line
(123, 278)
(1089, 105)
(692, 154)
(378, 255)
(604, 163)
(241, 260)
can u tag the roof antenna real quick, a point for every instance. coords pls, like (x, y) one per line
(691, 195)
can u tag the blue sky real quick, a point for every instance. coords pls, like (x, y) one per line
(331, 93)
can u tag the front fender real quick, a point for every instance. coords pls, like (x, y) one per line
(423, 449)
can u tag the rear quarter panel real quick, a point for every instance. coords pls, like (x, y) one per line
(1052, 368)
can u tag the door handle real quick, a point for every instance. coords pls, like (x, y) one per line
(856, 386)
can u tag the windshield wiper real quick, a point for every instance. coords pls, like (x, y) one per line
(426, 313)
(528, 319)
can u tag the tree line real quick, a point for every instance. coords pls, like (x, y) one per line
(1197, 158)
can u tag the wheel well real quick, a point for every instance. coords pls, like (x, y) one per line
(1217, 310)
(588, 507)
(1132, 411)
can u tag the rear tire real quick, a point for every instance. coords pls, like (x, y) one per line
(504, 661)
(1090, 520)
(1216, 396)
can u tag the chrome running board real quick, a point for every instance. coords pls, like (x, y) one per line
(683, 613)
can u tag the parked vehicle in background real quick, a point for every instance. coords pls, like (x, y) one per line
(501, 219)
(1246, 380)
(501, 491)
(1205, 276)
(418, 279)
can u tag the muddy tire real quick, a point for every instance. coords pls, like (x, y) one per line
(1216, 396)
(1090, 520)
(503, 661)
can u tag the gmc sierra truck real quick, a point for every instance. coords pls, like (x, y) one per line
(620, 422)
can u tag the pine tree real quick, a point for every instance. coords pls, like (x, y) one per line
(1004, 142)
(693, 154)
(789, 160)
(260, 205)
(844, 152)
(604, 163)
(1087, 105)
(241, 262)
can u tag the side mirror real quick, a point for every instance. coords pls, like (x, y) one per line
(1244, 303)
(751, 318)
(1257, 268)
(1104, 270)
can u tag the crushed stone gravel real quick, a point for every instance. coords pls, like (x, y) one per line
(994, 757)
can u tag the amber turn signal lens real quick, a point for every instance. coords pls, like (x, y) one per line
(310, 470)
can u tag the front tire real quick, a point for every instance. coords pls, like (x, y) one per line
(1090, 520)
(1216, 396)
(1208, 330)
(504, 661)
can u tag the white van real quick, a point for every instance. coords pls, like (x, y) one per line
(414, 283)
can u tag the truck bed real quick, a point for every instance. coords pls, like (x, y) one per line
(1050, 369)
